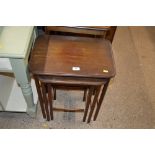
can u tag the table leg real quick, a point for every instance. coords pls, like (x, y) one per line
(50, 99)
(45, 100)
(40, 96)
(85, 94)
(88, 101)
(97, 91)
(54, 90)
(22, 76)
(101, 99)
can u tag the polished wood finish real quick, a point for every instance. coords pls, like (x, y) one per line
(40, 96)
(106, 32)
(57, 55)
(103, 92)
(68, 110)
(92, 106)
(85, 94)
(91, 84)
(45, 101)
(50, 99)
(90, 93)
(52, 61)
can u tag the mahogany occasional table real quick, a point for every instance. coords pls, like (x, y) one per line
(72, 62)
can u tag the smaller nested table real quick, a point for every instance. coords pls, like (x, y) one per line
(73, 63)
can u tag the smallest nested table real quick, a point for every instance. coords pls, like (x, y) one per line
(72, 62)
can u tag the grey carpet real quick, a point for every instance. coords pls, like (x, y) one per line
(130, 99)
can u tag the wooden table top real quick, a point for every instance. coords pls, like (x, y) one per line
(72, 56)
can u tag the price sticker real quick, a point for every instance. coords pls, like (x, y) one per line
(105, 71)
(76, 68)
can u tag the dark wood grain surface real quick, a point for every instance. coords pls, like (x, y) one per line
(95, 30)
(107, 32)
(57, 55)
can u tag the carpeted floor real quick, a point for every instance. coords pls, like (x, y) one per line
(130, 99)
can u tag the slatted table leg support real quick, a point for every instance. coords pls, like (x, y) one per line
(94, 103)
(104, 89)
(40, 96)
(88, 100)
(45, 100)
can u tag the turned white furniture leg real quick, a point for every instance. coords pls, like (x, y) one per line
(20, 69)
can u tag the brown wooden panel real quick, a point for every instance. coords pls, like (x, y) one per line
(56, 55)
(104, 31)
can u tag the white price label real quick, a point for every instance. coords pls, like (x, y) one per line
(75, 68)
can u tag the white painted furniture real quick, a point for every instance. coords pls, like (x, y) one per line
(15, 46)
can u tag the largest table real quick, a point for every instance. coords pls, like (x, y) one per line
(71, 61)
